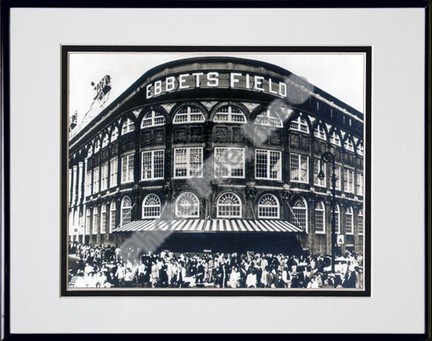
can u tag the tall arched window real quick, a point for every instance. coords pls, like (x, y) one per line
(188, 114)
(319, 132)
(112, 222)
(151, 206)
(126, 211)
(269, 118)
(229, 206)
(349, 223)
(152, 119)
(300, 212)
(87, 221)
(319, 217)
(187, 206)
(229, 114)
(104, 220)
(360, 222)
(114, 134)
(299, 124)
(128, 126)
(95, 220)
(268, 207)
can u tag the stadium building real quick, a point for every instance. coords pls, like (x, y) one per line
(221, 154)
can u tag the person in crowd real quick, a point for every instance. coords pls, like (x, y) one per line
(251, 278)
(120, 274)
(234, 279)
(349, 279)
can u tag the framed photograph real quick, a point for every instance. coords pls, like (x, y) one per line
(216, 162)
(215, 171)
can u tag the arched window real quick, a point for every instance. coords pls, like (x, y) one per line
(360, 148)
(299, 124)
(319, 217)
(300, 213)
(348, 145)
(360, 222)
(104, 220)
(319, 132)
(268, 207)
(229, 206)
(97, 146)
(114, 134)
(128, 126)
(152, 119)
(87, 221)
(349, 224)
(187, 206)
(95, 220)
(335, 138)
(337, 219)
(269, 118)
(151, 206)
(105, 140)
(112, 222)
(229, 114)
(188, 114)
(126, 211)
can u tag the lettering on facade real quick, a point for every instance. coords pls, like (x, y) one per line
(209, 80)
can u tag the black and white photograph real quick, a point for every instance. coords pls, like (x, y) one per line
(215, 171)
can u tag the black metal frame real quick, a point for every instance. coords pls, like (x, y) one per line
(7, 5)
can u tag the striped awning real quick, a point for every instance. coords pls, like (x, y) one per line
(210, 225)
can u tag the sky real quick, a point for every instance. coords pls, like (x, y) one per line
(340, 74)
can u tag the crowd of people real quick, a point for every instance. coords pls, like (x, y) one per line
(105, 266)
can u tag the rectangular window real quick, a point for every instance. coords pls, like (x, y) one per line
(319, 221)
(152, 165)
(349, 180)
(360, 223)
(188, 162)
(359, 183)
(127, 174)
(95, 221)
(317, 170)
(88, 182)
(113, 172)
(268, 164)
(299, 167)
(229, 162)
(104, 220)
(112, 218)
(96, 180)
(349, 228)
(338, 177)
(104, 176)
(337, 222)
